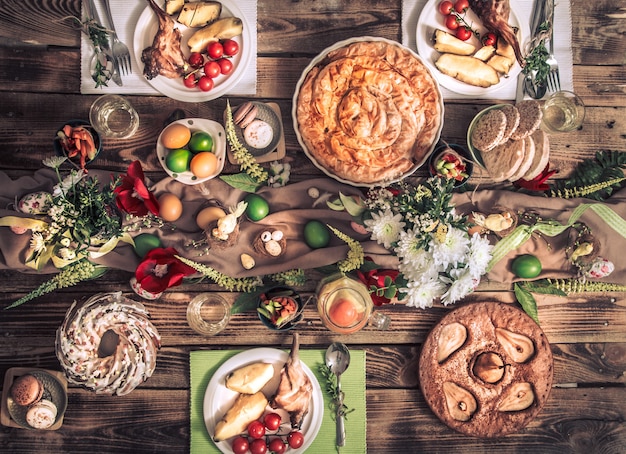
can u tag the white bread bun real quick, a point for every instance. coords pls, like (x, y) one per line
(489, 130)
(542, 154)
(503, 161)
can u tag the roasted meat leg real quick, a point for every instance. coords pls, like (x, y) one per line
(494, 15)
(165, 57)
(295, 389)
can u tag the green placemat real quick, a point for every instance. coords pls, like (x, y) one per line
(204, 363)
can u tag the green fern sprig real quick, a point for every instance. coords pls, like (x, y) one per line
(245, 284)
(589, 191)
(246, 161)
(595, 178)
(573, 285)
(355, 256)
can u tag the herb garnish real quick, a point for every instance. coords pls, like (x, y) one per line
(337, 404)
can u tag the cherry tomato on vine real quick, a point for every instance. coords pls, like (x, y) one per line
(277, 446)
(212, 69)
(446, 7)
(215, 50)
(231, 47)
(190, 80)
(461, 6)
(256, 429)
(205, 83)
(489, 39)
(295, 439)
(240, 445)
(226, 66)
(258, 446)
(196, 59)
(463, 33)
(452, 22)
(272, 421)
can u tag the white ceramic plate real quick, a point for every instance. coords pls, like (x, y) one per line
(218, 398)
(147, 27)
(218, 134)
(431, 19)
(321, 56)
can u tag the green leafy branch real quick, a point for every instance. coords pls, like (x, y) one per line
(524, 290)
(245, 284)
(337, 404)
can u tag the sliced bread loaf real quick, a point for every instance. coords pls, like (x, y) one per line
(512, 121)
(527, 160)
(530, 118)
(542, 154)
(503, 161)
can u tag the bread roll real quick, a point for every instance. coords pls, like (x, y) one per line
(468, 69)
(247, 408)
(250, 379)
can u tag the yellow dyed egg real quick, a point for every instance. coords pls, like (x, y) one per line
(175, 136)
(171, 208)
(208, 215)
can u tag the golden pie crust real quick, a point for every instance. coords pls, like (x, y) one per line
(369, 112)
(483, 321)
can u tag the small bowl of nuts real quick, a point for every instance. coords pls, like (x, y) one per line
(280, 308)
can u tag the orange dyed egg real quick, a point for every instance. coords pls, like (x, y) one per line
(175, 136)
(204, 164)
(343, 312)
(171, 208)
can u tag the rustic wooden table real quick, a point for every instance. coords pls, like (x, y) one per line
(39, 89)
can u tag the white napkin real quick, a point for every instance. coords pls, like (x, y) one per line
(125, 15)
(411, 10)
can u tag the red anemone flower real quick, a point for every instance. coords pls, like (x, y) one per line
(160, 270)
(375, 282)
(133, 196)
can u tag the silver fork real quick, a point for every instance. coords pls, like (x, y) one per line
(119, 49)
(554, 80)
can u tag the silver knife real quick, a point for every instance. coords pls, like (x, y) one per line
(93, 14)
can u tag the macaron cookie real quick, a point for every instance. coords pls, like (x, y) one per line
(42, 415)
(245, 114)
(26, 390)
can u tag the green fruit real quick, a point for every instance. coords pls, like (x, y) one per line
(200, 141)
(526, 266)
(257, 207)
(145, 242)
(178, 160)
(316, 234)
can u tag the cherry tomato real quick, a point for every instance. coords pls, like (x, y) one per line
(446, 7)
(212, 69)
(205, 83)
(226, 66)
(452, 22)
(489, 39)
(215, 50)
(272, 421)
(463, 33)
(258, 446)
(256, 429)
(190, 80)
(295, 439)
(277, 446)
(461, 6)
(240, 445)
(196, 59)
(231, 47)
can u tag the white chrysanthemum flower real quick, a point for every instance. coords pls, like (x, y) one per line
(37, 242)
(385, 227)
(452, 249)
(463, 283)
(422, 294)
(479, 255)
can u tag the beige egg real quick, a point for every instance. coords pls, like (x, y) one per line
(207, 215)
(171, 207)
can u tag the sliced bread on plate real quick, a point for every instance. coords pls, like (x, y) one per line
(527, 160)
(530, 118)
(489, 130)
(542, 154)
(503, 161)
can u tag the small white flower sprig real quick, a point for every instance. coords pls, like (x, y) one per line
(418, 224)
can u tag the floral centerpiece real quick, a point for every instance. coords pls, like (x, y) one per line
(438, 259)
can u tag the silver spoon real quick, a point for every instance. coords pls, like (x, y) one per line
(534, 90)
(338, 360)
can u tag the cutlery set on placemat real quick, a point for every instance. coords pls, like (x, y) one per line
(115, 51)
